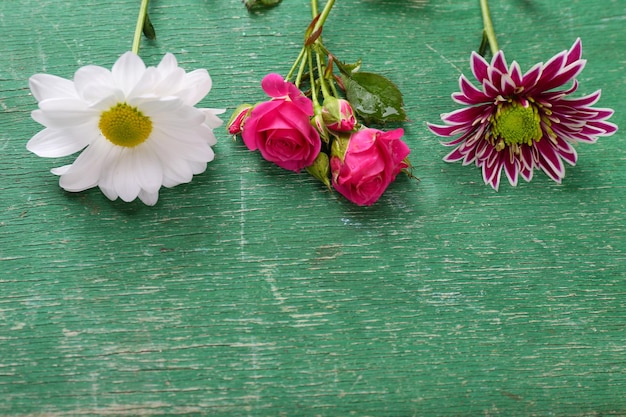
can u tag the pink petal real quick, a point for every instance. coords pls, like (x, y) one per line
(530, 78)
(566, 151)
(575, 52)
(589, 100)
(466, 115)
(499, 62)
(549, 160)
(274, 85)
(453, 156)
(471, 92)
(479, 67)
(516, 73)
(566, 74)
(551, 69)
(446, 131)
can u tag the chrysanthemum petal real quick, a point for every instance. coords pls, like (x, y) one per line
(575, 52)
(549, 160)
(211, 120)
(86, 170)
(127, 71)
(199, 84)
(564, 76)
(473, 94)
(124, 176)
(479, 67)
(168, 63)
(46, 86)
(499, 62)
(93, 83)
(148, 171)
(54, 143)
(60, 113)
(516, 74)
(149, 198)
(465, 115)
(566, 151)
(530, 78)
(492, 174)
(445, 131)
(511, 168)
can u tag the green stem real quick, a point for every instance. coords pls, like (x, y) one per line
(323, 15)
(143, 10)
(320, 71)
(488, 27)
(302, 67)
(296, 63)
(316, 103)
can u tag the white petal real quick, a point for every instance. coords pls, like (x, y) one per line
(171, 83)
(61, 170)
(207, 134)
(126, 185)
(86, 170)
(157, 109)
(53, 143)
(63, 112)
(189, 147)
(211, 119)
(108, 192)
(46, 86)
(176, 171)
(198, 84)
(93, 83)
(147, 167)
(149, 199)
(168, 63)
(127, 71)
(146, 84)
(197, 167)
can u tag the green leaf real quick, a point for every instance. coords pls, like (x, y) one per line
(260, 4)
(350, 68)
(148, 29)
(374, 97)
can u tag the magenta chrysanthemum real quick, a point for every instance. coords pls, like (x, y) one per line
(520, 123)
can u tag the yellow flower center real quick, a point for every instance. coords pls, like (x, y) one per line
(516, 124)
(124, 125)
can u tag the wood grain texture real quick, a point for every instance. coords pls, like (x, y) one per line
(254, 291)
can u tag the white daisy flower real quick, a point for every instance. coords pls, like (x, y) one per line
(138, 126)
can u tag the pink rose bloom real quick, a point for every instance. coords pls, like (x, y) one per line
(371, 161)
(281, 128)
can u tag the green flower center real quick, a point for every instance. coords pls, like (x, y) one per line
(516, 124)
(124, 125)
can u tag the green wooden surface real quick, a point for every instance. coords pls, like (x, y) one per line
(253, 291)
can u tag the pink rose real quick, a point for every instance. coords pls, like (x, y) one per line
(364, 166)
(281, 128)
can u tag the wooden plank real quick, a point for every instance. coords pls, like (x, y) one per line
(254, 291)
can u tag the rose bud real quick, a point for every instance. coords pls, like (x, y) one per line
(239, 116)
(338, 114)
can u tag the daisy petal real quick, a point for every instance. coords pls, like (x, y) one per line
(46, 86)
(54, 143)
(127, 71)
